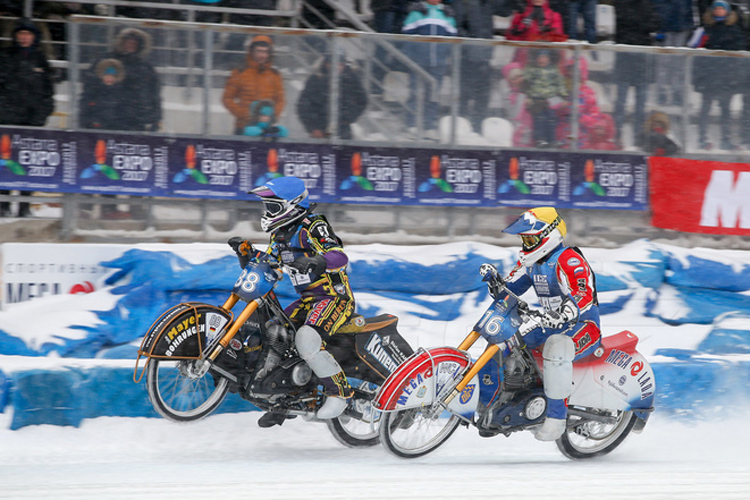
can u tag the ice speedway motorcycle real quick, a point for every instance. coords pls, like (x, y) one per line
(438, 389)
(196, 353)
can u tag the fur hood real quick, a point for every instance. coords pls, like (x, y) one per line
(144, 41)
(112, 66)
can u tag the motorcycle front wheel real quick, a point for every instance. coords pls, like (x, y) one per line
(359, 425)
(416, 432)
(181, 391)
(587, 438)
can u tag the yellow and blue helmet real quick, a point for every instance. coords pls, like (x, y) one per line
(541, 230)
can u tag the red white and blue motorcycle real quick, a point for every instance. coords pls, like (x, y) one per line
(197, 353)
(438, 389)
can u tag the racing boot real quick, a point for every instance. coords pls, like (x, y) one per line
(338, 391)
(558, 354)
(554, 425)
(269, 419)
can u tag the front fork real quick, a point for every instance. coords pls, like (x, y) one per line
(486, 356)
(238, 322)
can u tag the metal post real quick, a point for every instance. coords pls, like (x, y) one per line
(333, 102)
(574, 98)
(208, 62)
(455, 90)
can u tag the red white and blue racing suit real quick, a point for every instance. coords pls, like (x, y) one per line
(563, 275)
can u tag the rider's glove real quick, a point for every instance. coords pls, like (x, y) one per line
(315, 265)
(557, 319)
(242, 248)
(493, 279)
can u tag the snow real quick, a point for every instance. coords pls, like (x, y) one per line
(228, 456)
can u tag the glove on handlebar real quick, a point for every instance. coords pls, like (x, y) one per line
(243, 248)
(315, 265)
(494, 281)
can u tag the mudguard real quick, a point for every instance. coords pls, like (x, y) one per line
(418, 380)
(615, 377)
(184, 331)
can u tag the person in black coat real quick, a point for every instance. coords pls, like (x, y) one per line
(719, 78)
(141, 89)
(101, 102)
(314, 101)
(634, 23)
(26, 88)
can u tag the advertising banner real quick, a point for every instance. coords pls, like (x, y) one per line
(142, 165)
(708, 197)
(31, 270)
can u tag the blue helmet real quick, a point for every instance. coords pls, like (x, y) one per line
(285, 199)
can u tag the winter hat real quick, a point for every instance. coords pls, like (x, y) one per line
(25, 24)
(110, 67)
(721, 3)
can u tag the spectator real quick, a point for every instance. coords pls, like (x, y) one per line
(675, 28)
(428, 17)
(587, 10)
(263, 122)
(256, 80)
(101, 102)
(601, 135)
(719, 78)
(537, 23)
(26, 88)
(656, 140)
(314, 101)
(388, 17)
(139, 108)
(141, 88)
(515, 105)
(545, 89)
(634, 23)
(588, 108)
(474, 20)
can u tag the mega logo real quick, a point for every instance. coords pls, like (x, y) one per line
(414, 384)
(219, 165)
(39, 157)
(375, 347)
(132, 161)
(726, 202)
(619, 358)
(464, 174)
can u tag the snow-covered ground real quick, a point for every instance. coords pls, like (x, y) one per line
(228, 456)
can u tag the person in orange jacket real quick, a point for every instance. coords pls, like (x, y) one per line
(257, 80)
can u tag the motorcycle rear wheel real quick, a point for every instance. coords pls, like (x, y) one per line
(415, 432)
(589, 438)
(180, 393)
(358, 432)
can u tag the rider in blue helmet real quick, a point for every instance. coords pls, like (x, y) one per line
(305, 243)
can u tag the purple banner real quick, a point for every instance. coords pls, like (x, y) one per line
(141, 165)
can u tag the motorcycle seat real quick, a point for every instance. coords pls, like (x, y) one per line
(359, 323)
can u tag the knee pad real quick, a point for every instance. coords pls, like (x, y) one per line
(307, 341)
(310, 348)
(558, 354)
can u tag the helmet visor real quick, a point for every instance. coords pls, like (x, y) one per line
(272, 208)
(530, 241)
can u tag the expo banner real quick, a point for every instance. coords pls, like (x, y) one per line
(141, 165)
(707, 197)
